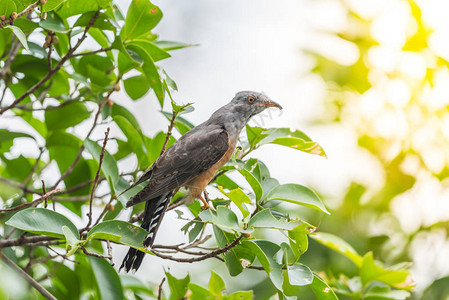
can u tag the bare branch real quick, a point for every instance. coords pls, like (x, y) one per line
(27, 277)
(96, 254)
(106, 208)
(109, 247)
(24, 12)
(200, 258)
(38, 200)
(11, 56)
(80, 152)
(55, 69)
(33, 169)
(19, 185)
(170, 129)
(159, 292)
(97, 176)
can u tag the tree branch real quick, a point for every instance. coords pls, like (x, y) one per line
(27, 277)
(170, 129)
(97, 176)
(25, 11)
(55, 69)
(159, 292)
(38, 200)
(200, 258)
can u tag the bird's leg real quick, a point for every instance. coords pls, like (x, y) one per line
(206, 205)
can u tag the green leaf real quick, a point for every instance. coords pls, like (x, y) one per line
(299, 275)
(231, 259)
(101, 22)
(7, 7)
(253, 182)
(120, 232)
(240, 295)
(66, 116)
(149, 70)
(300, 144)
(98, 69)
(128, 61)
(134, 139)
(63, 138)
(42, 221)
(298, 238)
(239, 198)
(7, 135)
(109, 165)
(198, 292)
(169, 45)
(257, 251)
(369, 271)
(178, 287)
(108, 282)
(71, 241)
(385, 293)
(223, 218)
(216, 284)
(297, 194)
(295, 139)
(75, 7)
(51, 5)
(137, 86)
(321, 289)
(54, 23)
(142, 16)
(265, 219)
(255, 135)
(118, 110)
(20, 35)
(335, 243)
(154, 51)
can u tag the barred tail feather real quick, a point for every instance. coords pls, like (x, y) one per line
(154, 212)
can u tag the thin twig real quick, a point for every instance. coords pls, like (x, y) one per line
(96, 254)
(3, 93)
(80, 152)
(11, 56)
(50, 62)
(38, 200)
(159, 291)
(19, 185)
(27, 277)
(170, 129)
(43, 189)
(97, 176)
(55, 69)
(200, 258)
(33, 169)
(69, 169)
(106, 208)
(25, 11)
(109, 247)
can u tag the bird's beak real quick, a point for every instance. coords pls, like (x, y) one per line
(270, 103)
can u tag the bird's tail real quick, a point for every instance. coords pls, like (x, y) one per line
(153, 214)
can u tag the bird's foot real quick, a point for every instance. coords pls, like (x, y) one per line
(205, 204)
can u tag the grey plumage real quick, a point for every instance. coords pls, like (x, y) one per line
(192, 162)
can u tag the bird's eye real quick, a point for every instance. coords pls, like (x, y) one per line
(251, 99)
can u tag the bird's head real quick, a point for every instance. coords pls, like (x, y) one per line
(249, 103)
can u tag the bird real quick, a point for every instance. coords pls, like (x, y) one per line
(191, 162)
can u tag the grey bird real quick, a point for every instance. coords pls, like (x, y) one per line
(192, 162)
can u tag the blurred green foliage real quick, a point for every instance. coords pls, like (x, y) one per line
(392, 94)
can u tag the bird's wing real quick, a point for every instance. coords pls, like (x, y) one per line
(190, 156)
